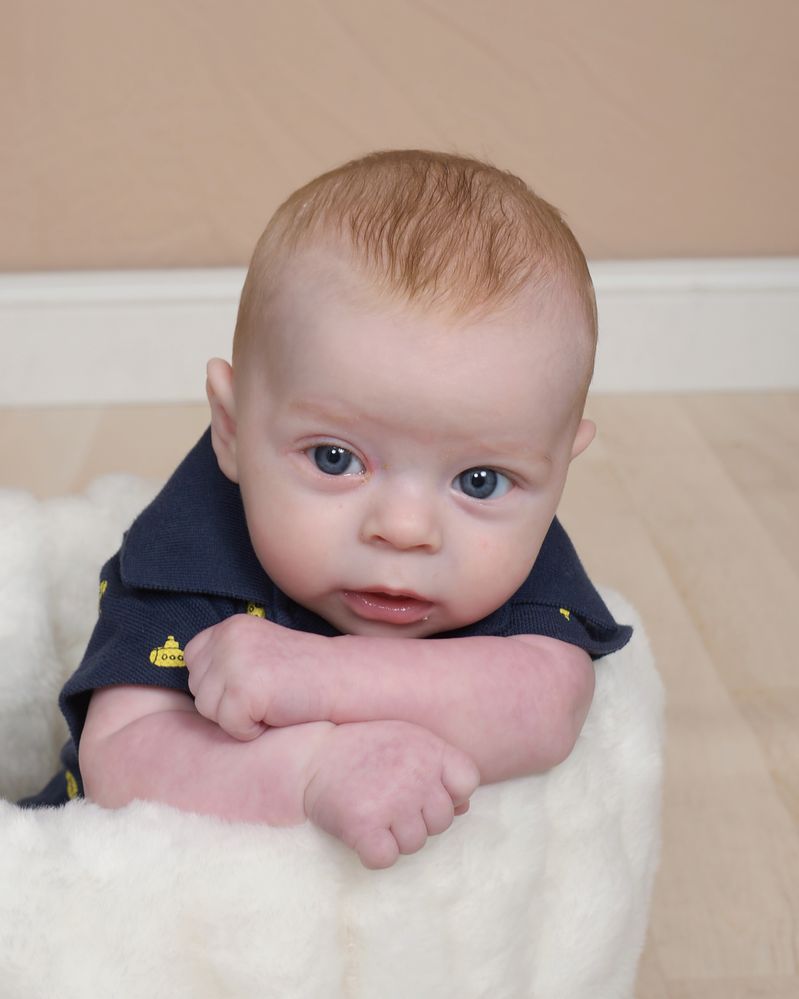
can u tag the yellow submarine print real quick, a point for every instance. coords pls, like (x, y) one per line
(169, 655)
(255, 610)
(566, 613)
(72, 785)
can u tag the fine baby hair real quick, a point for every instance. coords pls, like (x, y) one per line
(436, 231)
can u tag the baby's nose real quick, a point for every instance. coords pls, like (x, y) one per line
(403, 521)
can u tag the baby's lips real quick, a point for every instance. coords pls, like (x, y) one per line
(396, 608)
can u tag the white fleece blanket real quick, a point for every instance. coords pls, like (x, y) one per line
(541, 890)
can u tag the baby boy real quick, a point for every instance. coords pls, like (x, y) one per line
(352, 602)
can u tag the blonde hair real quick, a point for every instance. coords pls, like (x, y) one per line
(441, 231)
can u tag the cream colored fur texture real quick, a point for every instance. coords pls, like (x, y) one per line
(542, 890)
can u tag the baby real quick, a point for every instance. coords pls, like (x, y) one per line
(386, 454)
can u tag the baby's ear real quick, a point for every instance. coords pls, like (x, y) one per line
(219, 389)
(585, 434)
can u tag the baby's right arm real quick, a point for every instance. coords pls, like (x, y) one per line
(150, 743)
(380, 787)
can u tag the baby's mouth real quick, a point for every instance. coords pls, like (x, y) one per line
(395, 608)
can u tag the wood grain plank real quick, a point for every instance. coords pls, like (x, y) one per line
(725, 902)
(737, 583)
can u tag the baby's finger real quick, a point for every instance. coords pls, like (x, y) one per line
(460, 776)
(199, 666)
(438, 812)
(208, 691)
(410, 833)
(377, 849)
(462, 809)
(233, 719)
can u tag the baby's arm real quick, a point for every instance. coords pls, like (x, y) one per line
(149, 743)
(514, 705)
(380, 787)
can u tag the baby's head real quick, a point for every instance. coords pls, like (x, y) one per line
(413, 350)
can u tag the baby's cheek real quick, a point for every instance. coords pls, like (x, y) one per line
(294, 549)
(279, 549)
(492, 552)
(496, 570)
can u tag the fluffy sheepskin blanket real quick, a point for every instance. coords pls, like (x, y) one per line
(541, 890)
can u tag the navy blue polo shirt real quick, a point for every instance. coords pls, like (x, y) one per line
(187, 563)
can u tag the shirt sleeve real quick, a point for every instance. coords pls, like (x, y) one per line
(560, 601)
(557, 600)
(599, 637)
(139, 638)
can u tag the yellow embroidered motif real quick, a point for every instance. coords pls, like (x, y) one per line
(565, 613)
(255, 610)
(103, 588)
(72, 784)
(169, 655)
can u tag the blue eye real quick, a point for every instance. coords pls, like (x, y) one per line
(482, 483)
(334, 460)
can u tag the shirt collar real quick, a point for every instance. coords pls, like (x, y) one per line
(193, 537)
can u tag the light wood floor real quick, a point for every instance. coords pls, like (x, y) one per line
(690, 506)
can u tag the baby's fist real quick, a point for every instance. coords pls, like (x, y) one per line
(247, 674)
(384, 787)
(224, 677)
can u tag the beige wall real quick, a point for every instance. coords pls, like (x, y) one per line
(163, 132)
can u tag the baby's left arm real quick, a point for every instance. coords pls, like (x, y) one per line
(514, 705)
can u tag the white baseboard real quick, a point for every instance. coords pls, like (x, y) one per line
(144, 336)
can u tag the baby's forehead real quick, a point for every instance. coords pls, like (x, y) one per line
(320, 300)
(332, 322)
(330, 275)
(352, 370)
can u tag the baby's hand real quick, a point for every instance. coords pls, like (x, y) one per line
(247, 673)
(383, 787)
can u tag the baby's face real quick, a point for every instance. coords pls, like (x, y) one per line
(399, 472)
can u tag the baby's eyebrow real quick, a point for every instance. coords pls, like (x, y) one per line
(351, 415)
(516, 457)
(332, 413)
(511, 446)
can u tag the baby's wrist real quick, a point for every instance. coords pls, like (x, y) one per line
(315, 748)
(319, 747)
(290, 760)
(317, 670)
